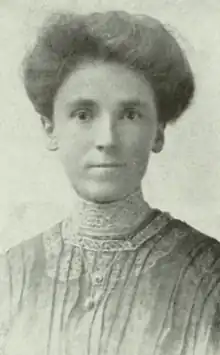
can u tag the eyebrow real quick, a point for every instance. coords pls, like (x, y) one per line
(134, 103)
(124, 103)
(82, 102)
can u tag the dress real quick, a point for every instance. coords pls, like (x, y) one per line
(71, 291)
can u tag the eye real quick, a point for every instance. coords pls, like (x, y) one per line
(132, 114)
(82, 114)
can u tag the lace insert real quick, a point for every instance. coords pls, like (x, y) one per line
(63, 249)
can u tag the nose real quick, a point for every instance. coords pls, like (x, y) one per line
(106, 134)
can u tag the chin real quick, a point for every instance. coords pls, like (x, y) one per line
(101, 193)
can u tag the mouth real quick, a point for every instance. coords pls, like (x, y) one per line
(108, 165)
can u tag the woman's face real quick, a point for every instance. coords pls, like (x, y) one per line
(105, 122)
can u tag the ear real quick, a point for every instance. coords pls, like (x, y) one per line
(48, 127)
(159, 139)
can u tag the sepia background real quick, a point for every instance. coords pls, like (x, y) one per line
(184, 179)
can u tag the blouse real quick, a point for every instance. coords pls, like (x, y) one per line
(155, 294)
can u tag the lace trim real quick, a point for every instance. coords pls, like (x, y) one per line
(70, 265)
(93, 219)
(119, 244)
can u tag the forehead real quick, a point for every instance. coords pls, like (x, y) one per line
(104, 82)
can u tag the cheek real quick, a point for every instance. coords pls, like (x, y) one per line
(69, 139)
(140, 146)
(70, 149)
(139, 156)
(140, 159)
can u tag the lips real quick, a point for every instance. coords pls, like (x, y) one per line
(108, 165)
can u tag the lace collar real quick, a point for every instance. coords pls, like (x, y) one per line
(59, 243)
(122, 225)
(106, 221)
(103, 228)
(146, 229)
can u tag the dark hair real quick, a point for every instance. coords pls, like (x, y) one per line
(138, 41)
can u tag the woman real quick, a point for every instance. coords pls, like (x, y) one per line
(116, 276)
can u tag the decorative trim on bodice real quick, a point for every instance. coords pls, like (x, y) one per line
(112, 219)
(65, 249)
(128, 243)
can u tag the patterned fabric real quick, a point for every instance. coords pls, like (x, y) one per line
(158, 295)
(113, 220)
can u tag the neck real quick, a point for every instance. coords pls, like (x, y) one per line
(111, 220)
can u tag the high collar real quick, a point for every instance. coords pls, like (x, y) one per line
(103, 229)
(112, 220)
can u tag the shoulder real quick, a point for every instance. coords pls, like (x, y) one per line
(197, 250)
(191, 236)
(190, 258)
(27, 256)
(202, 264)
(179, 234)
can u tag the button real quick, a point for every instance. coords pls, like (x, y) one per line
(89, 304)
(98, 278)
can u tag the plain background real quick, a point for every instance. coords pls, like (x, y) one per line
(184, 179)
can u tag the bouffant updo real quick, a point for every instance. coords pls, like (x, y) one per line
(138, 41)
